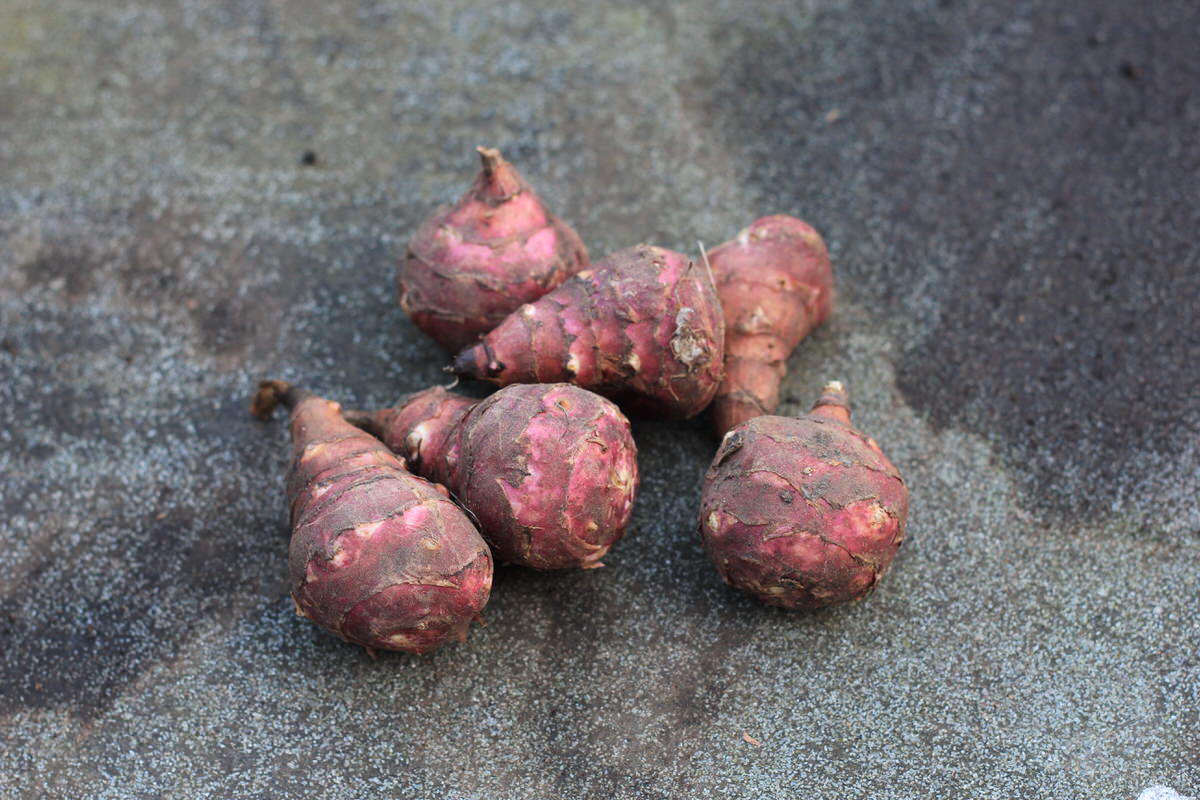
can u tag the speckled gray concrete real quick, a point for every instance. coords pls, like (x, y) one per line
(1011, 193)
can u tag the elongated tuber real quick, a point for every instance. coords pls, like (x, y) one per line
(803, 512)
(776, 286)
(378, 556)
(643, 327)
(548, 470)
(471, 264)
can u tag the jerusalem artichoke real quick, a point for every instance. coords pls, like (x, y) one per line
(642, 327)
(803, 512)
(776, 286)
(378, 556)
(471, 264)
(549, 471)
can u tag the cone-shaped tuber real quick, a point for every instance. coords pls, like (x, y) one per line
(471, 264)
(803, 512)
(378, 556)
(642, 327)
(776, 286)
(548, 470)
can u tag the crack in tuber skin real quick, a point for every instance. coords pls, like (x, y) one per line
(803, 512)
(776, 286)
(471, 264)
(378, 556)
(549, 471)
(643, 327)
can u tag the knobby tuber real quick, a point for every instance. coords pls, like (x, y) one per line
(549, 471)
(471, 264)
(776, 285)
(642, 327)
(803, 512)
(378, 556)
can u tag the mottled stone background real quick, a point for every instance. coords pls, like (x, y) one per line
(1011, 194)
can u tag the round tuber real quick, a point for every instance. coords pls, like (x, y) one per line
(548, 470)
(776, 286)
(471, 264)
(803, 512)
(378, 556)
(642, 327)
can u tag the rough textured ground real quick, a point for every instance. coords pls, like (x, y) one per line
(1011, 194)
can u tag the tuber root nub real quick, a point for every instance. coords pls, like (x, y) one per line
(833, 403)
(272, 393)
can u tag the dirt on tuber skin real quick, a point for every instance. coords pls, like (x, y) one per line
(471, 264)
(776, 286)
(548, 470)
(642, 327)
(803, 512)
(378, 556)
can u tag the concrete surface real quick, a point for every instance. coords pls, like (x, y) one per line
(1011, 193)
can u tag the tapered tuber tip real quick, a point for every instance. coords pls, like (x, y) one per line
(834, 402)
(491, 159)
(271, 394)
(475, 362)
(498, 181)
(464, 364)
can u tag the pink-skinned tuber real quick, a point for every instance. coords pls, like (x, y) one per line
(548, 470)
(378, 556)
(642, 327)
(471, 264)
(776, 286)
(803, 512)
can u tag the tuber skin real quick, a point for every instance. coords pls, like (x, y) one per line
(548, 470)
(776, 287)
(803, 512)
(471, 264)
(642, 327)
(378, 556)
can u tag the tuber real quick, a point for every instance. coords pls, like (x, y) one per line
(471, 264)
(548, 470)
(803, 512)
(642, 327)
(776, 285)
(378, 556)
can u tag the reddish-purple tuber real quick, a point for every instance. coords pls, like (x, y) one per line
(471, 264)
(378, 556)
(803, 512)
(776, 286)
(549, 471)
(643, 327)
